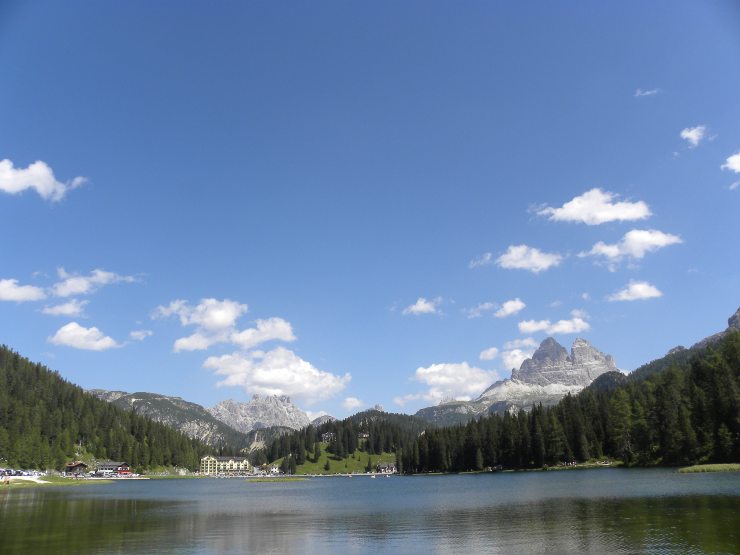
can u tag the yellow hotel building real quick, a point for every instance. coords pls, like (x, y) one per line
(224, 465)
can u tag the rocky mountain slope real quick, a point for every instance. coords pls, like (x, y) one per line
(189, 418)
(260, 412)
(545, 378)
(733, 323)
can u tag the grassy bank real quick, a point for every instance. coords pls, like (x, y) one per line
(354, 463)
(727, 467)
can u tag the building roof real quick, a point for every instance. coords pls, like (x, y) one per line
(226, 459)
(74, 464)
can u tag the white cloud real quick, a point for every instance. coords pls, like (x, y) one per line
(596, 207)
(478, 311)
(210, 314)
(11, 291)
(636, 290)
(732, 163)
(352, 403)
(513, 358)
(78, 337)
(276, 372)
(649, 92)
(74, 284)
(486, 259)
(453, 380)
(694, 135)
(489, 354)
(266, 330)
(523, 257)
(635, 244)
(199, 341)
(734, 185)
(215, 322)
(36, 176)
(140, 335)
(423, 306)
(71, 308)
(575, 325)
(509, 308)
(518, 343)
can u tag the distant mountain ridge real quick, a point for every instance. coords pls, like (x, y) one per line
(189, 418)
(545, 378)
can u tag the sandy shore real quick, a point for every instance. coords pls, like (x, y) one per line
(35, 479)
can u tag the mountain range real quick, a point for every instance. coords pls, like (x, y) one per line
(545, 378)
(549, 375)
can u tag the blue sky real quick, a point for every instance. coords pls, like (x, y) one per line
(358, 204)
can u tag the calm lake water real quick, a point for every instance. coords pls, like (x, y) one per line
(597, 511)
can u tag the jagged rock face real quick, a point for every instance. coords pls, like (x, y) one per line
(550, 364)
(260, 412)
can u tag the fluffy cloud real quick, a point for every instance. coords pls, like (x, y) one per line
(276, 372)
(478, 311)
(576, 324)
(140, 335)
(266, 330)
(352, 403)
(451, 380)
(11, 291)
(198, 341)
(596, 207)
(522, 257)
(79, 337)
(423, 306)
(74, 284)
(36, 176)
(513, 358)
(635, 244)
(509, 308)
(734, 185)
(649, 92)
(486, 259)
(694, 135)
(519, 343)
(209, 314)
(489, 354)
(71, 308)
(635, 291)
(732, 163)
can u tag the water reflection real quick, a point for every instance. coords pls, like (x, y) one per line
(410, 515)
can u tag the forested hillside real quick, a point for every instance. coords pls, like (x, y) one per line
(371, 431)
(686, 412)
(45, 421)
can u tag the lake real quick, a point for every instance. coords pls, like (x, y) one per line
(589, 511)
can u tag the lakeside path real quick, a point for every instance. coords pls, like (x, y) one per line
(18, 482)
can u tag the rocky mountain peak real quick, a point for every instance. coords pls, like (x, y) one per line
(733, 323)
(261, 412)
(550, 350)
(551, 364)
